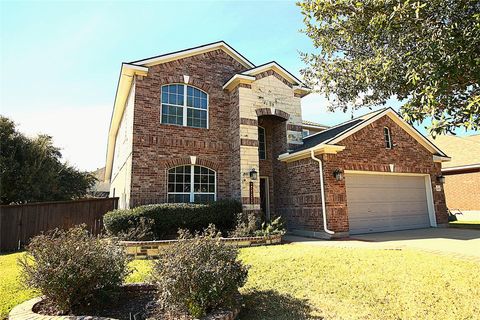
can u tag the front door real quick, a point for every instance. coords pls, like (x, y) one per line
(264, 201)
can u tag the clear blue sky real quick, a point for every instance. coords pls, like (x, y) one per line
(60, 60)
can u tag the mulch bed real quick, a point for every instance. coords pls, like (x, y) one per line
(134, 302)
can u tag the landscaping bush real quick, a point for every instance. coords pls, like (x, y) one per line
(74, 269)
(248, 226)
(273, 228)
(169, 217)
(198, 274)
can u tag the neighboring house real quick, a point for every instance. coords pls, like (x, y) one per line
(204, 124)
(462, 173)
(310, 127)
(101, 188)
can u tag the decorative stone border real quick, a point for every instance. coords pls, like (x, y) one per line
(151, 249)
(24, 311)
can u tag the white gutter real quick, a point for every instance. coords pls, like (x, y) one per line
(322, 191)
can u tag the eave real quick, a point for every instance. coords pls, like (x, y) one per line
(236, 80)
(319, 149)
(195, 51)
(127, 74)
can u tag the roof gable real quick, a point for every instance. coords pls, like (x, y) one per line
(400, 122)
(195, 51)
(334, 135)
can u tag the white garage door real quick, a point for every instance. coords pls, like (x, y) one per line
(378, 203)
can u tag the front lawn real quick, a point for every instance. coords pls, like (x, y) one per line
(300, 281)
(465, 224)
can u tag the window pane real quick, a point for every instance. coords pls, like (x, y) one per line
(261, 143)
(196, 118)
(172, 114)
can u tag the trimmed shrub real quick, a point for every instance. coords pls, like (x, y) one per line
(197, 275)
(168, 218)
(246, 225)
(74, 269)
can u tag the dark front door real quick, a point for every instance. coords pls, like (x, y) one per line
(264, 201)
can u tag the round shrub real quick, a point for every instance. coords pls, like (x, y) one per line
(74, 269)
(198, 275)
(165, 219)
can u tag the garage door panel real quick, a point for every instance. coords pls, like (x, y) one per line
(387, 195)
(379, 203)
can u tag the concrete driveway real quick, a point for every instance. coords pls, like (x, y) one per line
(461, 243)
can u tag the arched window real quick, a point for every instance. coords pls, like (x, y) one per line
(184, 105)
(262, 146)
(191, 183)
(388, 138)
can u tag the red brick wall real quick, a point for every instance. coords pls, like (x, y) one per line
(463, 191)
(365, 151)
(298, 197)
(156, 144)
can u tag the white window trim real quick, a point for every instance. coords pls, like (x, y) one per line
(192, 181)
(264, 143)
(184, 106)
(389, 135)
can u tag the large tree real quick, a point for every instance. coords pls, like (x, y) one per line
(32, 170)
(425, 53)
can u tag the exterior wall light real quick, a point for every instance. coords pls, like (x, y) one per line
(338, 174)
(253, 174)
(441, 178)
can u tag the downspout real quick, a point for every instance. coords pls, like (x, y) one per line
(322, 191)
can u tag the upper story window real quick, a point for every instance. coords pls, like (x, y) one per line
(184, 105)
(191, 183)
(305, 133)
(388, 138)
(262, 146)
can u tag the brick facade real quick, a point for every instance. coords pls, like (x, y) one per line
(229, 145)
(462, 191)
(156, 145)
(300, 199)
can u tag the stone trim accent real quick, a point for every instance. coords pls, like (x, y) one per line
(246, 200)
(275, 74)
(187, 161)
(272, 112)
(245, 85)
(249, 122)
(249, 142)
(294, 127)
(151, 249)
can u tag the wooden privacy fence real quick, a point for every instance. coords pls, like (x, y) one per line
(19, 223)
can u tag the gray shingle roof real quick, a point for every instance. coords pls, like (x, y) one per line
(330, 133)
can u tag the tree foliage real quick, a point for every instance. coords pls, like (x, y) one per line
(31, 169)
(424, 53)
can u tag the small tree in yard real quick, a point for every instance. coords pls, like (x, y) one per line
(74, 269)
(198, 275)
(424, 53)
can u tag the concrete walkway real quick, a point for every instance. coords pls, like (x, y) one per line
(460, 243)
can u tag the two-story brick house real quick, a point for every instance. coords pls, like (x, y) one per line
(205, 123)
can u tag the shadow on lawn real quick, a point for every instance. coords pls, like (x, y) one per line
(266, 305)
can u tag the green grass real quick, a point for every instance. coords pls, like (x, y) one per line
(11, 291)
(299, 281)
(465, 224)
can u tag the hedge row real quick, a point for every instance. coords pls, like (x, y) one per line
(167, 218)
